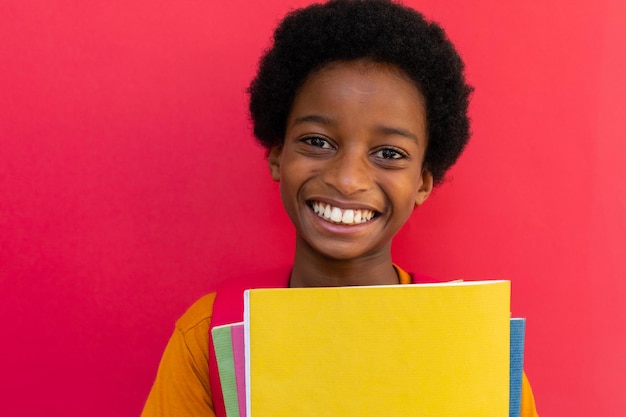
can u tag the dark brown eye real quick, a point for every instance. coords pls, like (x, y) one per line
(318, 142)
(389, 153)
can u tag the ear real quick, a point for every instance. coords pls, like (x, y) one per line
(426, 187)
(273, 161)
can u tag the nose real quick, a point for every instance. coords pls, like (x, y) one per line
(349, 172)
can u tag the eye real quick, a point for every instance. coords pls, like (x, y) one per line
(318, 142)
(390, 153)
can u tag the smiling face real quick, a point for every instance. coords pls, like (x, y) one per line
(350, 167)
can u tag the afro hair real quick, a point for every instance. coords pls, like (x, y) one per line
(377, 30)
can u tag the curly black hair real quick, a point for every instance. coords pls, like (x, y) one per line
(376, 30)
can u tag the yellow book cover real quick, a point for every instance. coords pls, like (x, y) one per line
(439, 350)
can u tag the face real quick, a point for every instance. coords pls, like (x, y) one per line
(350, 167)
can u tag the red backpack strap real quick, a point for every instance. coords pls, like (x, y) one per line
(228, 308)
(424, 279)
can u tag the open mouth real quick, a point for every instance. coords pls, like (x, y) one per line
(341, 216)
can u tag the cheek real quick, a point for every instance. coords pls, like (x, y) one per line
(403, 200)
(285, 192)
(401, 189)
(289, 191)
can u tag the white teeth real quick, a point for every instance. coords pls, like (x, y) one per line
(337, 215)
(327, 212)
(348, 217)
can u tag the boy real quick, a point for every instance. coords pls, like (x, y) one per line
(362, 107)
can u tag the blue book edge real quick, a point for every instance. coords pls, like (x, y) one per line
(518, 330)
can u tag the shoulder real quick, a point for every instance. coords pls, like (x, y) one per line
(198, 315)
(181, 387)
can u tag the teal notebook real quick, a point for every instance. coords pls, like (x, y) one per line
(518, 329)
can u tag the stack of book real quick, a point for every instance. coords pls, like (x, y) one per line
(420, 350)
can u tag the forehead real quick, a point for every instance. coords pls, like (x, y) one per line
(368, 91)
(363, 74)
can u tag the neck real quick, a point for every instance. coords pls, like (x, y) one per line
(311, 269)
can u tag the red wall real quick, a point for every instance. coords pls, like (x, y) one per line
(130, 186)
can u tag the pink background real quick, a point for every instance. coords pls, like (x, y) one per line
(130, 185)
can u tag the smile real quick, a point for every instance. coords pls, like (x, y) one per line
(340, 216)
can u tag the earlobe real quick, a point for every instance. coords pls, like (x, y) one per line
(273, 161)
(425, 188)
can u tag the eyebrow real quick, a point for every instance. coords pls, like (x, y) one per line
(315, 118)
(388, 130)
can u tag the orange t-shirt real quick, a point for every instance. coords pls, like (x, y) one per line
(181, 387)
